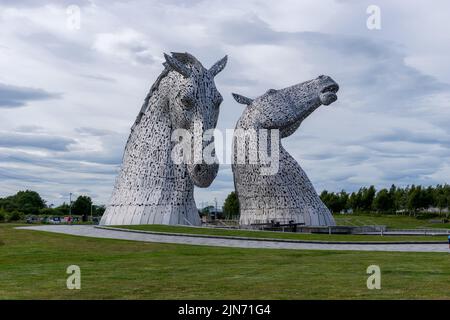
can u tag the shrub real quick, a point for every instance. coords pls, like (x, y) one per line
(3, 215)
(427, 215)
(47, 211)
(15, 216)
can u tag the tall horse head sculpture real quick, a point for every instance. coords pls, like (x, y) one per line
(151, 187)
(287, 195)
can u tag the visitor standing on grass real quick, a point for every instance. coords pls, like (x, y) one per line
(449, 241)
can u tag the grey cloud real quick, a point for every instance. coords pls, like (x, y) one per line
(40, 141)
(15, 96)
(407, 176)
(89, 131)
(413, 136)
(53, 161)
(251, 31)
(6, 174)
(379, 78)
(39, 3)
(29, 128)
(60, 47)
(111, 154)
(127, 44)
(97, 77)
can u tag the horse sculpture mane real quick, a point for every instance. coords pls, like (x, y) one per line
(151, 188)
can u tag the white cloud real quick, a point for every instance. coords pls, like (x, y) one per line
(127, 44)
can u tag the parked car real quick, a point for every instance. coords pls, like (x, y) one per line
(54, 220)
(32, 219)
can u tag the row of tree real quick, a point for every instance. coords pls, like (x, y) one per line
(411, 199)
(29, 202)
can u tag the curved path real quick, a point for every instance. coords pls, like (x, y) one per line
(91, 231)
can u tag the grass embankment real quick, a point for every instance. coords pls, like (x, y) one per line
(279, 235)
(33, 266)
(391, 221)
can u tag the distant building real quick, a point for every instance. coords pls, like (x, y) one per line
(211, 213)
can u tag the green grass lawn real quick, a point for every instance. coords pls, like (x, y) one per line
(33, 266)
(279, 235)
(391, 221)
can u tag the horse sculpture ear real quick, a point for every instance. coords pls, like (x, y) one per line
(241, 99)
(218, 66)
(177, 66)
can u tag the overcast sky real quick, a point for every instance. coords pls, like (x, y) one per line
(68, 97)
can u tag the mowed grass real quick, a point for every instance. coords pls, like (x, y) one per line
(391, 221)
(280, 235)
(33, 266)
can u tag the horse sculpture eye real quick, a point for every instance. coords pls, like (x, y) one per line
(187, 103)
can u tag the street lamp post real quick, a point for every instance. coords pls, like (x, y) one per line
(70, 204)
(70, 208)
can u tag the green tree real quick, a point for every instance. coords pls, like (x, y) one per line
(441, 202)
(368, 198)
(344, 200)
(29, 202)
(354, 201)
(98, 210)
(7, 204)
(62, 210)
(231, 206)
(3, 215)
(47, 211)
(383, 201)
(414, 199)
(82, 206)
(335, 202)
(15, 215)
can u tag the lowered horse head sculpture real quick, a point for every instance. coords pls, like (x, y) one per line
(287, 195)
(151, 187)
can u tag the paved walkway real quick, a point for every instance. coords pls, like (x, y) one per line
(90, 231)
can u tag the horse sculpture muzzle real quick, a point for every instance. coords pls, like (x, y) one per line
(203, 174)
(328, 94)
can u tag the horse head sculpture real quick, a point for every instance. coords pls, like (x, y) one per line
(287, 195)
(151, 188)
